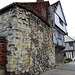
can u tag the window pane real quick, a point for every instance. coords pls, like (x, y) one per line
(60, 20)
(70, 44)
(59, 35)
(43, 12)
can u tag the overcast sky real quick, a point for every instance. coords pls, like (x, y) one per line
(68, 8)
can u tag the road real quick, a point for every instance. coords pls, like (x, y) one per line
(66, 69)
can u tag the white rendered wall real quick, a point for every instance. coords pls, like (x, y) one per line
(68, 47)
(58, 14)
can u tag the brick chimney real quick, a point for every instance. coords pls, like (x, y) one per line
(40, 0)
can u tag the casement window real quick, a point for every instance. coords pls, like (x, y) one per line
(70, 44)
(59, 36)
(43, 12)
(60, 21)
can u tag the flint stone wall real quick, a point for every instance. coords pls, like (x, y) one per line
(30, 46)
(59, 57)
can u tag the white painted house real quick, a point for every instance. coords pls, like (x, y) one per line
(70, 47)
(59, 30)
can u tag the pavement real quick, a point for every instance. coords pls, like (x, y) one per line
(66, 69)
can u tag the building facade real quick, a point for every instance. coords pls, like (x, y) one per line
(59, 30)
(30, 46)
(70, 48)
(29, 38)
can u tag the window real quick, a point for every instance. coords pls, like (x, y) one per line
(59, 35)
(60, 21)
(70, 44)
(43, 12)
(72, 55)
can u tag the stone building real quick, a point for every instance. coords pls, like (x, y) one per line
(27, 30)
(27, 33)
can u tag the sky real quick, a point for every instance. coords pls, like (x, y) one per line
(68, 9)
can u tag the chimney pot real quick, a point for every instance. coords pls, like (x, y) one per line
(40, 0)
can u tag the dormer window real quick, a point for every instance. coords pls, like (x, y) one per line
(60, 21)
(43, 12)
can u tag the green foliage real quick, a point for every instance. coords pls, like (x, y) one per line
(68, 60)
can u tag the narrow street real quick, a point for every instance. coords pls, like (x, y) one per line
(66, 69)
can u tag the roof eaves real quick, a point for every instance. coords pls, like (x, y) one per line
(7, 7)
(69, 50)
(70, 38)
(69, 41)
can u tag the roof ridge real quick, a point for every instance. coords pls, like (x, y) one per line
(32, 2)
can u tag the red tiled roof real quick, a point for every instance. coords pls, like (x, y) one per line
(34, 7)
